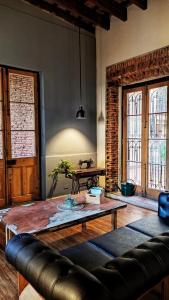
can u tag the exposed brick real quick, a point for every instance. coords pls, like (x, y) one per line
(147, 66)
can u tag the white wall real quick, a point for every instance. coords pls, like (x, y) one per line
(144, 31)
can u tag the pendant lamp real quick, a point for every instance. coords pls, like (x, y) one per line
(80, 114)
(101, 115)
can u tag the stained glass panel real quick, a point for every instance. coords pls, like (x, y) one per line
(134, 103)
(157, 138)
(22, 116)
(23, 144)
(158, 97)
(134, 150)
(21, 88)
(134, 131)
(1, 146)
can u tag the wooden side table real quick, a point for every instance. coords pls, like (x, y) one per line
(90, 173)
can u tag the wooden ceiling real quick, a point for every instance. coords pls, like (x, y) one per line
(87, 14)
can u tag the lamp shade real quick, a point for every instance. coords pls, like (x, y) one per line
(81, 113)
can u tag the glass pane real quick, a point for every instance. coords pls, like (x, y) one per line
(158, 126)
(157, 152)
(157, 138)
(134, 127)
(158, 100)
(134, 103)
(157, 176)
(22, 116)
(134, 150)
(21, 88)
(134, 131)
(134, 171)
(1, 146)
(23, 144)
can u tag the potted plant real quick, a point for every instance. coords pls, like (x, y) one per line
(63, 167)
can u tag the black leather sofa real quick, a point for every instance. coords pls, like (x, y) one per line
(120, 265)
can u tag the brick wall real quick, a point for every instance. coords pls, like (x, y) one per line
(111, 137)
(154, 64)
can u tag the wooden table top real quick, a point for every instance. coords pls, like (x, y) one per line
(89, 172)
(44, 215)
(86, 170)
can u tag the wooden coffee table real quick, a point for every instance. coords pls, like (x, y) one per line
(44, 215)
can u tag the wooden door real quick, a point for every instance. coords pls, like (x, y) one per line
(21, 161)
(145, 137)
(157, 143)
(133, 136)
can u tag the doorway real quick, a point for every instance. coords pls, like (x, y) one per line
(19, 136)
(145, 137)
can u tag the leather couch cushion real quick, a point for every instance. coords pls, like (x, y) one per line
(151, 225)
(163, 206)
(138, 270)
(123, 278)
(87, 255)
(118, 241)
(52, 275)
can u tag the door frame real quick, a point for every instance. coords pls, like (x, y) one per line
(144, 86)
(139, 189)
(154, 193)
(5, 99)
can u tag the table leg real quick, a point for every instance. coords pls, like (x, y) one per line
(114, 219)
(8, 235)
(73, 186)
(84, 226)
(78, 185)
(72, 191)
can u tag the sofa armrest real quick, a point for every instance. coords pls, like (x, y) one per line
(163, 206)
(51, 274)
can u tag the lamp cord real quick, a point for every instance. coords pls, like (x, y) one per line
(101, 66)
(80, 67)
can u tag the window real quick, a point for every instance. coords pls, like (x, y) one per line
(145, 137)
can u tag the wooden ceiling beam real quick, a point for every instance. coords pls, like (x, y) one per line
(53, 9)
(77, 7)
(140, 3)
(113, 8)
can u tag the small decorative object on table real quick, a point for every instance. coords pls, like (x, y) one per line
(88, 163)
(70, 204)
(94, 195)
